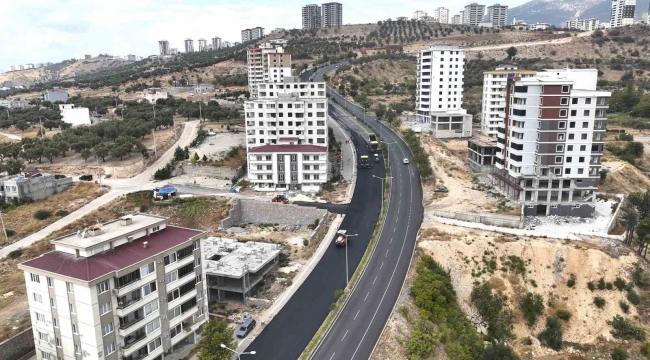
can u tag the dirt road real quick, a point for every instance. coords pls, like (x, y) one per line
(532, 43)
(118, 187)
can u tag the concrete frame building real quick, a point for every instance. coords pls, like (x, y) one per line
(552, 142)
(473, 14)
(189, 46)
(332, 14)
(441, 15)
(622, 13)
(233, 269)
(481, 155)
(582, 24)
(14, 103)
(216, 43)
(311, 17)
(129, 289)
(498, 15)
(203, 45)
(286, 136)
(73, 115)
(439, 92)
(163, 48)
(54, 96)
(32, 184)
(267, 63)
(494, 96)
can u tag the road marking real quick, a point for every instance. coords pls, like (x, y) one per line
(391, 240)
(355, 316)
(344, 335)
(374, 280)
(382, 265)
(364, 299)
(332, 357)
(387, 252)
(394, 228)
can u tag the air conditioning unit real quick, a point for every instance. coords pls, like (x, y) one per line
(116, 291)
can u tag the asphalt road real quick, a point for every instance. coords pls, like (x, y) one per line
(287, 335)
(355, 332)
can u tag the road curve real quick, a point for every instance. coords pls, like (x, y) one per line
(355, 332)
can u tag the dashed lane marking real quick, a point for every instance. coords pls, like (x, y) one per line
(344, 335)
(355, 316)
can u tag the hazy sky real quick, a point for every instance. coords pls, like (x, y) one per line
(36, 31)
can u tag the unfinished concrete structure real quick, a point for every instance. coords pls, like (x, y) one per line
(246, 211)
(31, 184)
(235, 268)
(481, 154)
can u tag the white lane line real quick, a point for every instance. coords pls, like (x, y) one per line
(332, 357)
(355, 316)
(374, 280)
(366, 298)
(394, 228)
(391, 240)
(382, 265)
(387, 252)
(346, 333)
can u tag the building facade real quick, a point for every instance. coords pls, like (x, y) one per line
(441, 15)
(473, 14)
(582, 24)
(552, 142)
(73, 115)
(32, 185)
(54, 96)
(153, 94)
(498, 15)
(203, 45)
(267, 63)
(216, 43)
(418, 15)
(539, 26)
(311, 17)
(257, 33)
(286, 136)
(456, 20)
(622, 13)
(332, 14)
(163, 48)
(189, 46)
(493, 106)
(128, 289)
(14, 104)
(439, 92)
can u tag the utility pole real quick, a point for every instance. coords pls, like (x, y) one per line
(3, 226)
(153, 131)
(41, 123)
(200, 113)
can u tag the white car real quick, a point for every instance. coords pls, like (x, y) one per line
(406, 161)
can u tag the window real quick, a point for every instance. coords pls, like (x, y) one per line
(572, 124)
(197, 262)
(569, 148)
(50, 282)
(75, 329)
(580, 171)
(559, 148)
(150, 307)
(109, 349)
(574, 112)
(588, 101)
(199, 295)
(104, 308)
(171, 277)
(574, 101)
(107, 329)
(175, 331)
(586, 113)
(102, 287)
(146, 270)
(77, 349)
(42, 336)
(148, 289)
(565, 89)
(581, 159)
(46, 355)
(558, 159)
(69, 287)
(585, 125)
(150, 327)
(154, 345)
(563, 113)
(58, 342)
(55, 322)
(560, 137)
(569, 159)
(197, 279)
(583, 147)
(567, 171)
(52, 302)
(571, 136)
(583, 136)
(38, 298)
(40, 317)
(564, 101)
(197, 245)
(561, 125)
(35, 278)
(71, 308)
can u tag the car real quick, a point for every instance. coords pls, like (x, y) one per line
(86, 177)
(246, 327)
(406, 161)
(441, 189)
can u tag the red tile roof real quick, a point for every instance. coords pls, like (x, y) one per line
(288, 148)
(123, 256)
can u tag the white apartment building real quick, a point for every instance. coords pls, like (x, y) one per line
(419, 15)
(203, 45)
(216, 43)
(473, 14)
(498, 15)
(539, 26)
(257, 33)
(189, 46)
(267, 63)
(311, 17)
(551, 142)
(130, 289)
(582, 24)
(622, 13)
(246, 35)
(494, 96)
(441, 15)
(153, 94)
(456, 20)
(332, 14)
(73, 115)
(286, 136)
(439, 92)
(163, 47)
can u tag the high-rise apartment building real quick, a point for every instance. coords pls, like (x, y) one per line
(163, 47)
(216, 43)
(439, 92)
(189, 46)
(622, 13)
(493, 107)
(551, 142)
(203, 45)
(257, 33)
(246, 35)
(129, 289)
(332, 14)
(267, 63)
(441, 15)
(582, 24)
(286, 136)
(457, 19)
(473, 14)
(498, 14)
(311, 17)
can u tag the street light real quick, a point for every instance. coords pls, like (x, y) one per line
(238, 353)
(347, 276)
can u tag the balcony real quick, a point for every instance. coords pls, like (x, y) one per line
(123, 330)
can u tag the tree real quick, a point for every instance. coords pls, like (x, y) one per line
(195, 158)
(532, 305)
(643, 235)
(85, 154)
(13, 166)
(498, 352)
(494, 311)
(179, 154)
(552, 334)
(101, 151)
(215, 333)
(512, 52)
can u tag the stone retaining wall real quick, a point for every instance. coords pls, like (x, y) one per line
(20, 346)
(259, 212)
(218, 172)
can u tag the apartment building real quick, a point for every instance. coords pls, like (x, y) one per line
(163, 47)
(130, 289)
(473, 14)
(582, 24)
(267, 63)
(257, 33)
(457, 20)
(551, 142)
(189, 46)
(441, 15)
(246, 35)
(494, 96)
(286, 136)
(498, 15)
(311, 17)
(203, 45)
(216, 43)
(622, 13)
(419, 15)
(439, 92)
(74, 115)
(332, 14)
(539, 26)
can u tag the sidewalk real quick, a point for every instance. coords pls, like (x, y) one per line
(347, 151)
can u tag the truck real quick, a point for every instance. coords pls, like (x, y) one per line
(341, 238)
(364, 162)
(376, 158)
(373, 146)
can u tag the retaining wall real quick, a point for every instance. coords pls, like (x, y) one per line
(483, 218)
(20, 346)
(258, 212)
(218, 172)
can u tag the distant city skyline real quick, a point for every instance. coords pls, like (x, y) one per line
(35, 31)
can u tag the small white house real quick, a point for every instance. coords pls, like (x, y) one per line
(74, 115)
(153, 94)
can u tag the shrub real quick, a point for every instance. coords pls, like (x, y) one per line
(42, 214)
(624, 306)
(61, 213)
(532, 305)
(633, 297)
(620, 284)
(572, 281)
(563, 314)
(591, 286)
(283, 259)
(619, 354)
(601, 284)
(338, 293)
(498, 351)
(528, 341)
(10, 232)
(494, 310)
(551, 336)
(599, 302)
(625, 330)
(143, 208)
(645, 350)
(15, 254)
(609, 286)
(305, 242)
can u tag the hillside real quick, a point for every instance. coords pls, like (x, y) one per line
(556, 12)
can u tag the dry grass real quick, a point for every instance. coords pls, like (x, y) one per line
(233, 162)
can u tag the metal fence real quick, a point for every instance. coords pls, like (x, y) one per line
(483, 218)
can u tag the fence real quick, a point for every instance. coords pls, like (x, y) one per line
(483, 218)
(20, 346)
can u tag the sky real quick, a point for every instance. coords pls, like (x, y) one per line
(35, 31)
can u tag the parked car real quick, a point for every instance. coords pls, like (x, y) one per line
(442, 189)
(86, 177)
(406, 161)
(246, 327)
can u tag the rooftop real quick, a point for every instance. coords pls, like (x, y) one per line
(288, 149)
(93, 267)
(228, 257)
